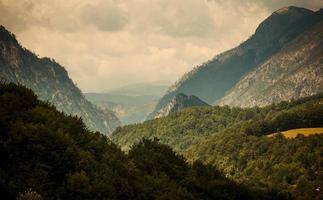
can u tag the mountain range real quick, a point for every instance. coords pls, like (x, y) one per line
(218, 133)
(240, 142)
(269, 85)
(131, 103)
(274, 52)
(50, 81)
(155, 88)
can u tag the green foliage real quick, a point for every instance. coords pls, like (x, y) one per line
(30, 195)
(185, 128)
(162, 168)
(290, 165)
(58, 158)
(179, 129)
(234, 140)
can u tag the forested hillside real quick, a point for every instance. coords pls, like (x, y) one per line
(48, 155)
(289, 165)
(235, 140)
(188, 126)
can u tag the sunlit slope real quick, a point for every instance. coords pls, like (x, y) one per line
(292, 133)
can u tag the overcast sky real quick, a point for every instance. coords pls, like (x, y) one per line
(104, 44)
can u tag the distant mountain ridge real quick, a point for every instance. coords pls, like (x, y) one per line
(179, 102)
(128, 108)
(157, 88)
(131, 103)
(213, 79)
(50, 81)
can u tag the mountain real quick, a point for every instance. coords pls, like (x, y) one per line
(179, 102)
(211, 80)
(50, 81)
(293, 72)
(156, 88)
(129, 109)
(131, 103)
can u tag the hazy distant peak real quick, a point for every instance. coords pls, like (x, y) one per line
(157, 88)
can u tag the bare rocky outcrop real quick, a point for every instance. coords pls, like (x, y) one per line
(179, 102)
(295, 71)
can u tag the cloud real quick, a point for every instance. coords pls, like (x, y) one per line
(109, 43)
(106, 15)
(277, 4)
(181, 18)
(273, 5)
(15, 16)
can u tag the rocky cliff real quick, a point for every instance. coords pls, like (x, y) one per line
(295, 71)
(50, 81)
(179, 102)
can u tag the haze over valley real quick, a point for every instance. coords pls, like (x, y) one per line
(185, 99)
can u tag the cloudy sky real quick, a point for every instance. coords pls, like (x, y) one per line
(104, 44)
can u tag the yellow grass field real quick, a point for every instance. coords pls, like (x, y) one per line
(292, 133)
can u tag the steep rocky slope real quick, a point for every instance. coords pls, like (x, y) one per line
(213, 79)
(50, 82)
(179, 102)
(295, 71)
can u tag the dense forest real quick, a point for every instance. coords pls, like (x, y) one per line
(48, 155)
(185, 128)
(235, 141)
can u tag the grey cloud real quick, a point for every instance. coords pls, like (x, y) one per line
(277, 4)
(185, 18)
(180, 18)
(100, 42)
(58, 15)
(15, 16)
(105, 15)
(273, 5)
(21, 15)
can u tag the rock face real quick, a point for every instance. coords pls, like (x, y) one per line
(50, 82)
(295, 71)
(179, 102)
(213, 79)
